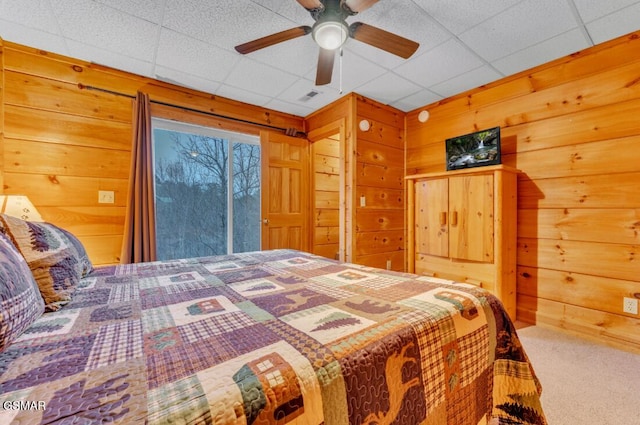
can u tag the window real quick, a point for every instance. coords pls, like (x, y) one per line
(207, 190)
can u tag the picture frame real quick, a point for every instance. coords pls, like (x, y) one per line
(477, 149)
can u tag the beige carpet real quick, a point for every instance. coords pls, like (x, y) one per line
(583, 383)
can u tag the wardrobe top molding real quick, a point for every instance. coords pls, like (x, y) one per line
(474, 170)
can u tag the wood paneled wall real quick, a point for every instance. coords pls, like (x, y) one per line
(379, 221)
(374, 179)
(325, 183)
(61, 142)
(572, 127)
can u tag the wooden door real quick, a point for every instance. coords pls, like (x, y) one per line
(431, 215)
(471, 217)
(285, 191)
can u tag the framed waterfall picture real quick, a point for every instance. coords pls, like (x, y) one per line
(475, 149)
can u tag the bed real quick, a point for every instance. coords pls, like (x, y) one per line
(270, 337)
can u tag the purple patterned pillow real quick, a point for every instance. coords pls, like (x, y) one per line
(20, 300)
(56, 258)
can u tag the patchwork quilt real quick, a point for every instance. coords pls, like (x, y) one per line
(273, 337)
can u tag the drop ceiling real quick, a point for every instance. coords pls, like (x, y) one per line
(463, 44)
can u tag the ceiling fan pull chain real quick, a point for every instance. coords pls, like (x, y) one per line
(340, 70)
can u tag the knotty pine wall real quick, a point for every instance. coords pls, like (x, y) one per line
(379, 223)
(325, 183)
(60, 144)
(374, 170)
(572, 127)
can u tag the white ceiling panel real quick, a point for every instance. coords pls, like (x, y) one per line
(416, 100)
(548, 50)
(298, 91)
(461, 15)
(388, 87)
(298, 56)
(106, 28)
(179, 52)
(467, 81)
(528, 23)
(259, 78)
(590, 10)
(39, 15)
(293, 108)
(150, 10)
(616, 24)
(352, 72)
(243, 95)
(463, 44)
(180, 78)
(446, 61)
(104, 57)
(33, 37)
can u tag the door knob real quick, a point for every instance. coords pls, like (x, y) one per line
(265, 221)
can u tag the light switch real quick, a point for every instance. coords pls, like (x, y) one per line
(106, 197)
(363, 201)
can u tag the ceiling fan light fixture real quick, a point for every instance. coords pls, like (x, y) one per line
(330, 35)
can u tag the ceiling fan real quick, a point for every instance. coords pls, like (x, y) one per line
(330, 32)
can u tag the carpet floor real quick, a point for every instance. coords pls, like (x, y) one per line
(583, 382)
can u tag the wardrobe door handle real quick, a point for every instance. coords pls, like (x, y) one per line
(443, 218)
(454, 218)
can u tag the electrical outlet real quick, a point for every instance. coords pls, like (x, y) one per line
(106, 196)
(630, 305)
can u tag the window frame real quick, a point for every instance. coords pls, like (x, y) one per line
(232, 137)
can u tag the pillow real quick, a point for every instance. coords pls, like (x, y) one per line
(57, 259)
(20, 300)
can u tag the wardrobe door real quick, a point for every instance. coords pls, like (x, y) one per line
(471, 230)
(431, 215)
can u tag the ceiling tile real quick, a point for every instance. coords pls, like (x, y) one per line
(440, 64)
(150, 10)
(180, 78)
(179, 52)
(224, 24)
(292, 10)
(37, 15)
(460, 15)
(388, 88)
(528, 23)
(553, 48)
(353, 72)
(417, 100)
(114, 60)
(298, 56)
(299, 90)
(299, 110)
(33, 37)
(615, 24)
(404, 18)
(590, 10)
(242, 95)
(467, 81)
(259, 78)
(106, 28)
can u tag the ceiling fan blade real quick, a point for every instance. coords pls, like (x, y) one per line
(311, 4)
(382, 39)
(325, 66)
(272, 39)
(359, 5)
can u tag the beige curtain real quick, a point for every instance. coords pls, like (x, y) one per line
(139, 242)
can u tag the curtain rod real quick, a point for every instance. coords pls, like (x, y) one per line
(288, 131)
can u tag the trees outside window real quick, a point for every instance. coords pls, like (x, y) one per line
(207, 191)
